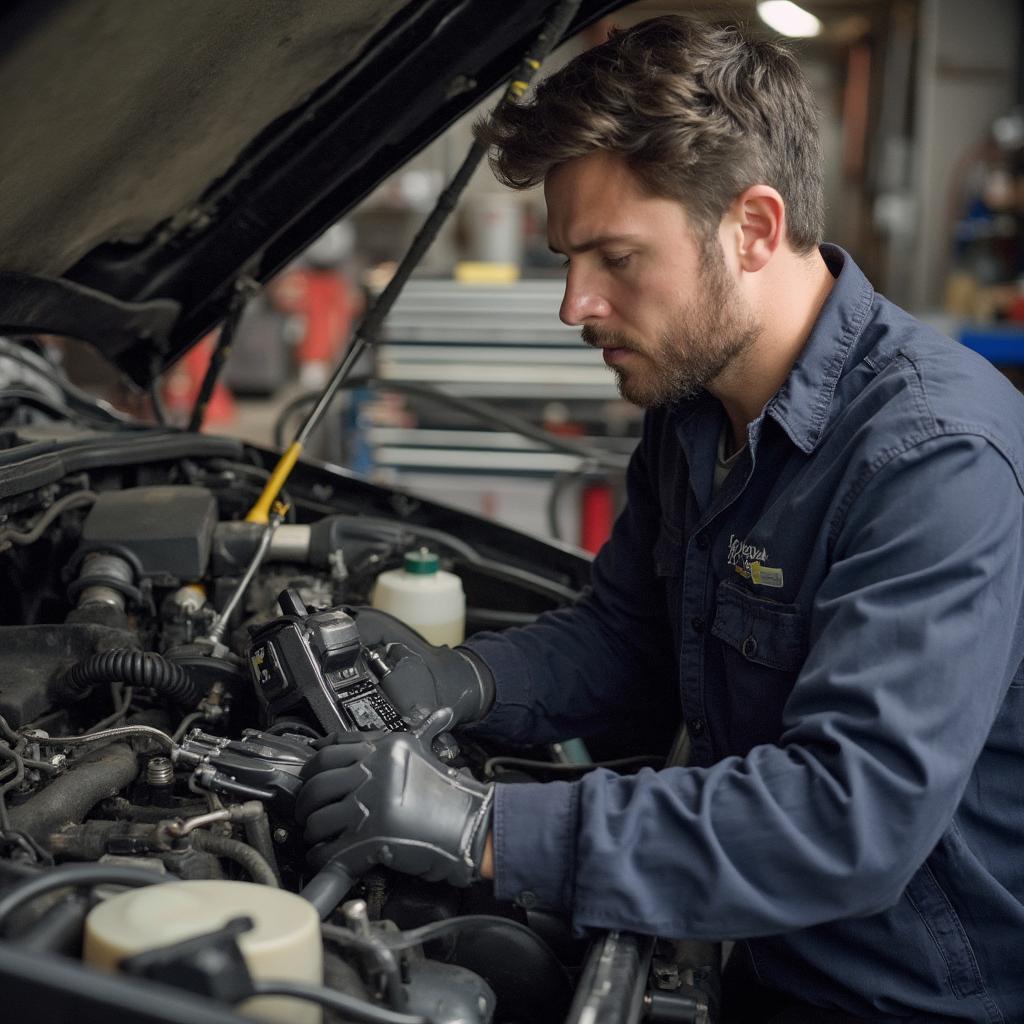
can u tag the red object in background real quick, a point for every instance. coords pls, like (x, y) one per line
(324, 299)
(1015, 312)
(597, 513)
(186, 378)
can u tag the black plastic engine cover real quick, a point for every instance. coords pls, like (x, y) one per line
(33, 659)
(165, 532)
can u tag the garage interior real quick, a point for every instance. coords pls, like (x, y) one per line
(923, 135)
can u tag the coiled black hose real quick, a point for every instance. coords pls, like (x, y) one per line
(138, 668)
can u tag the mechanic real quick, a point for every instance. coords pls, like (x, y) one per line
(820, 562)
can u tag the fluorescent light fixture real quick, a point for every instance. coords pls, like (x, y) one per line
(788, 19)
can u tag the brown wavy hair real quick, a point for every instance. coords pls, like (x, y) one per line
(699, 112)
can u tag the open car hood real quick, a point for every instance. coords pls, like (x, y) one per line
(156, 153)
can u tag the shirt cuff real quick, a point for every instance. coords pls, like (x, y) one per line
(511, 713)
(534, 827)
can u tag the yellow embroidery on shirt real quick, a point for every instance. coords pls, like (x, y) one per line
(765, 575)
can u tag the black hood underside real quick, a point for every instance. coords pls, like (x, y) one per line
(157, 153)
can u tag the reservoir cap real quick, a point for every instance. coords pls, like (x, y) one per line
(423, 562)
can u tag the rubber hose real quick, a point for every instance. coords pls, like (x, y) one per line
(137, 668)
(99, 774)
(58, 929)
(348, 1007)
(67, 875)
(259, 837)
(328, 887)
(253, 862)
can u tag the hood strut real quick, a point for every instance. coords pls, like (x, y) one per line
(366, 334)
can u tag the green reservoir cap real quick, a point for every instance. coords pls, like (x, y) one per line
(422, 562)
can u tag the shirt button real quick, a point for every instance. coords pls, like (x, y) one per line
(698, 624)
(749, 646)
(702, 541)
(697, 726)
(527, 899)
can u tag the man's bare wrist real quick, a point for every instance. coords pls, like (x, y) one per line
(487, 861)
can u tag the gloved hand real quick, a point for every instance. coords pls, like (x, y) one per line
(423, 677)
(387, 799)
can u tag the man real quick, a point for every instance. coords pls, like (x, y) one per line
(821, 554)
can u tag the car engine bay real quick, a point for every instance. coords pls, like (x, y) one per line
(165, 669)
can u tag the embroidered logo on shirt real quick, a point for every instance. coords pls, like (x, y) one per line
(748, 561)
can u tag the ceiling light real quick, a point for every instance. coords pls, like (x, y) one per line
(788, 19)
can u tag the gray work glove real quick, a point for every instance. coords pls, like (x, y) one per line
(386, 799)
(421, 677)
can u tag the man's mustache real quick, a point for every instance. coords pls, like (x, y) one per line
(596, 338)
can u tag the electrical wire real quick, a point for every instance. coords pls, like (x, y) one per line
(146, 731)
(559, 485)
(23, 841)
(67, 875)
(15, 766)
(352, 1008)
(592, 458)
(41, 766)
(122, 699)
(482, 411)
(8, 733)
(38, 528)
(79, 400)
(19, 397)
(439, 930)
(384, 529)
(243, 292)
(468, 553)
(638, 761)
(156, 399)
(292, 725)
(186, 723)
(19, 773)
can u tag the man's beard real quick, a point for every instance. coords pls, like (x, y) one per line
(698, 344)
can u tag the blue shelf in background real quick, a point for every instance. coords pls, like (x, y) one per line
(1003, 346)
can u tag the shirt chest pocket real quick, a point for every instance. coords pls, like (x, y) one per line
(764, 646)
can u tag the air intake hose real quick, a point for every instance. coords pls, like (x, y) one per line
(137, 668)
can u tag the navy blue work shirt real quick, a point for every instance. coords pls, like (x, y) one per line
(843, 622)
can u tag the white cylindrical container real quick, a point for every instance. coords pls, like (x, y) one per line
(495, 228)
(425, 597)
(283, 944)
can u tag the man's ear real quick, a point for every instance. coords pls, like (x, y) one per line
(757, 219)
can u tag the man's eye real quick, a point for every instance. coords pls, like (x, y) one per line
(617, 262)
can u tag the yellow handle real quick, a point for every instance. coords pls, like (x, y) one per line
(260, 512)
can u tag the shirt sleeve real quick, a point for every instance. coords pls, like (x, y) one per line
(574, 670)
(915, 638)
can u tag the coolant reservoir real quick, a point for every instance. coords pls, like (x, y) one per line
(425, 597)
(283, 944)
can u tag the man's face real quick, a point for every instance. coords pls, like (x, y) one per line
(666, 314)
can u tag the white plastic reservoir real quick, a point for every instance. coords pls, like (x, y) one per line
(425, 597)
(283, 944)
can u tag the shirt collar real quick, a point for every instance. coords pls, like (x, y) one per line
(803, 404)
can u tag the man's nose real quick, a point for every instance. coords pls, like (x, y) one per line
(582, 303)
